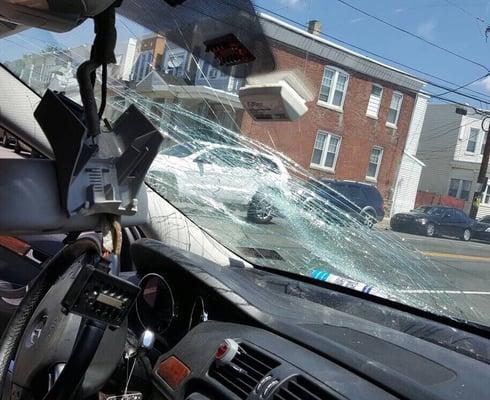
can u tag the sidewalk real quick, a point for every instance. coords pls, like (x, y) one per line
(383, 225)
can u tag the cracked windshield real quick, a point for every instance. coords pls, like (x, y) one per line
(343, 140)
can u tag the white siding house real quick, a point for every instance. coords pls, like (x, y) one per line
(410, 167)
(451, 146)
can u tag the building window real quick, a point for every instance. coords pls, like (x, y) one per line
(374, 162)
(333, 88)
(394, 110)
(486, 195)
(325, 150)
(175, 64)
(374, 101)
(472, 140)
(459, 188)
(213, 73)
(483, 142)
(143, 65)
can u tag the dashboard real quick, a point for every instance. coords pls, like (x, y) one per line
(242, 333)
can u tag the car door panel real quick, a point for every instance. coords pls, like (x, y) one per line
(446, 223)
(204, 176)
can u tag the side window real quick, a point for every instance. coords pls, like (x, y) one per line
(449, 214)
(461, 215)
(438, 212)
(373, 196)
(356, 194)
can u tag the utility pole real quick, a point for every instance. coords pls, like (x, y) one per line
(482, 181)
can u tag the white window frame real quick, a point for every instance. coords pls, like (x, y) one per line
(378, 166)
(321, 165)
(477, 142)
(484, 195)
(328, 103)
(395, 124)
(375, 116)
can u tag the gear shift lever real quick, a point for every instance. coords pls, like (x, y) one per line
(146, 342)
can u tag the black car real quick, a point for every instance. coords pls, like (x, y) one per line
(481, 229)
(434, 221)
(360, 200)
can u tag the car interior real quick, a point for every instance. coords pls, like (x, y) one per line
(109, 291)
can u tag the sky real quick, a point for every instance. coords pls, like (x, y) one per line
(457, 25)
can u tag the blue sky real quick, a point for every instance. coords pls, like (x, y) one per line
(449, 23)
(452, 24)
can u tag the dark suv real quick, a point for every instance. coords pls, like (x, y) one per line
(360, 200)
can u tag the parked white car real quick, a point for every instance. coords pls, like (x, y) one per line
(232, 175)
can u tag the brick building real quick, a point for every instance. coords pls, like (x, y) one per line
(364, 123)
(357, 126)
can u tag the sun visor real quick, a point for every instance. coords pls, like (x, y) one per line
(31, 201)
(227, 34)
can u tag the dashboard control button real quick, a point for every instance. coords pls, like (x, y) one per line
(173, 371)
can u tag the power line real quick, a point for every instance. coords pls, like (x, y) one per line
(465, 85)
(407, 32)
(483, 30)
(390, 60)
(478, 19)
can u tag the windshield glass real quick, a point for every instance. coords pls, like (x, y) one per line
(179, 150)
(325, 195)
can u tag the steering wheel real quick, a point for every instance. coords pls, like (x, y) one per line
(56, 355)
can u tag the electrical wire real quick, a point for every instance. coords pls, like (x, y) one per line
(407, 32)
(465, 11)
(463, 86)
(433, 95)
(377, 55)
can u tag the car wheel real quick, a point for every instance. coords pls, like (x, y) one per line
(260, 210)
(466, 235)
(430, 231)
(368, 219)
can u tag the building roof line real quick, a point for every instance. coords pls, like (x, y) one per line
(336, 46)
(412, 157)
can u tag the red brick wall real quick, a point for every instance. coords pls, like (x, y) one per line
(359, 133)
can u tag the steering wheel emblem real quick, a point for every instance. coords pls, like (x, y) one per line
(36, 332)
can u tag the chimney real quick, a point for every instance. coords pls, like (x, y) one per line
(314, 27)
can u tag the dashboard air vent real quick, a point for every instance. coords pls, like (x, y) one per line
(244, 371)
(299, 387)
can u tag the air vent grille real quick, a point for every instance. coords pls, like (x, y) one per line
(300, 388)
(245, 371)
